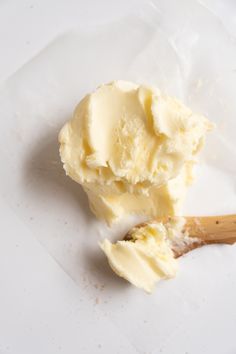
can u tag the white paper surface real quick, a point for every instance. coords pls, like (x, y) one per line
(186, 51)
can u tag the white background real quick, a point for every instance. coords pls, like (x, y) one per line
(57, 293)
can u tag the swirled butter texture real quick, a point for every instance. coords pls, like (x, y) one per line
(132, 149)
(147, 256)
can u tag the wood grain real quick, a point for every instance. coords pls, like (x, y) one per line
(213, 229)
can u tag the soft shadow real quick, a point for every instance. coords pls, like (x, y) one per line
(44, 174)
(96, 264)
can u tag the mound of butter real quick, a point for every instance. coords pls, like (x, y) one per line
(132, 149)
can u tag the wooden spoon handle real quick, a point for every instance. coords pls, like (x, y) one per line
(213, 229)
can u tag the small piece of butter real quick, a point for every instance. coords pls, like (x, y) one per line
(132, 149)
(147, 257)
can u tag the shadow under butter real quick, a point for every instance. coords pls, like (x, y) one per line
(44, 175)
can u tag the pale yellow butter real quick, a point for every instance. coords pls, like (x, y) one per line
(148, 256)
(132, 149)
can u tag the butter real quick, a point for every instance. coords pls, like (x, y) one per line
(147, 257)
(132, 149)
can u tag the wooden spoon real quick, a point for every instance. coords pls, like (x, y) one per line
(201, 230)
